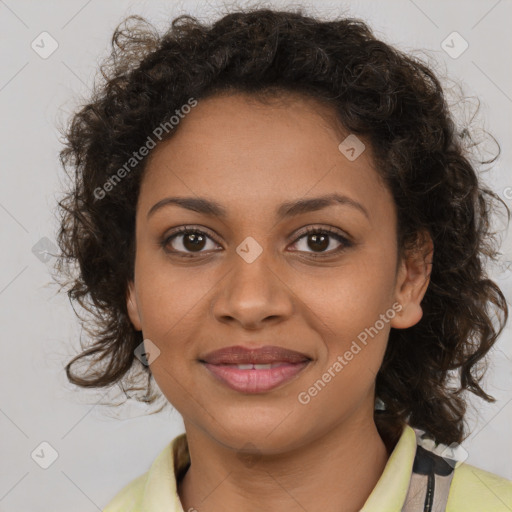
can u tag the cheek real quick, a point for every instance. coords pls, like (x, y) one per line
(169, 295)
(355, 326)
(352, 297)
(353, 308)
(171, 320)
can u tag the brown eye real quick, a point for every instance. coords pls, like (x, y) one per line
(193, 241)
(319, 240)
(186, 241)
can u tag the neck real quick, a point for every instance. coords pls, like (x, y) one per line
(333, 473)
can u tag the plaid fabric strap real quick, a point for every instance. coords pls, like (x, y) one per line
(430, 482)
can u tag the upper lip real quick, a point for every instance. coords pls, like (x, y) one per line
(264, 355)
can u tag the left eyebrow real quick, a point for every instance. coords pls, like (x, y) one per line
(287, 209)
(293, 208)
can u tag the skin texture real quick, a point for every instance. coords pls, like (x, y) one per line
(251, 157)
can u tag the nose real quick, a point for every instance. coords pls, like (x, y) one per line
(253, 295)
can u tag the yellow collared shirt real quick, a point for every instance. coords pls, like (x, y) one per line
(471, 489)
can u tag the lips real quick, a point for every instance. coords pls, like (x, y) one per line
(269, 354)
(254, 370)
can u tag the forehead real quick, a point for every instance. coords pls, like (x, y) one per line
(236, 148)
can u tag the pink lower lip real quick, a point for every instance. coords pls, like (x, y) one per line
(255, 381)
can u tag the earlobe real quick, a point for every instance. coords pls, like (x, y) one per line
(412, 283)
(131, 306)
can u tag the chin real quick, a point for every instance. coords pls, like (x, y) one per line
(260, 437)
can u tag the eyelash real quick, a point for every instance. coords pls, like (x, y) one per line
(186, 230)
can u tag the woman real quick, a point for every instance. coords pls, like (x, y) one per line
(275, 218)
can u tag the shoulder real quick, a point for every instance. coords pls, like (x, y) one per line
(156, 489)
(129, 498)
(473, 489)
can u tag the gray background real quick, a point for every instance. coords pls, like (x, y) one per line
(101, 449)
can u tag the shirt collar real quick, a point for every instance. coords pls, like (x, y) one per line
(391, 489)
(161, 495)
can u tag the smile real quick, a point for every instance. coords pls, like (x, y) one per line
(255, 378)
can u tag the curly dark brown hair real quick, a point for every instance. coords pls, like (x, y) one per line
(391, 99)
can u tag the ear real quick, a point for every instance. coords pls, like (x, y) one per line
(412, 282)
(131, 305)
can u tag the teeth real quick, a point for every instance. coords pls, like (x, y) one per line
(257, 366)
(244, 366)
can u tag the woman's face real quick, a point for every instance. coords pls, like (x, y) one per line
(253, 277)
